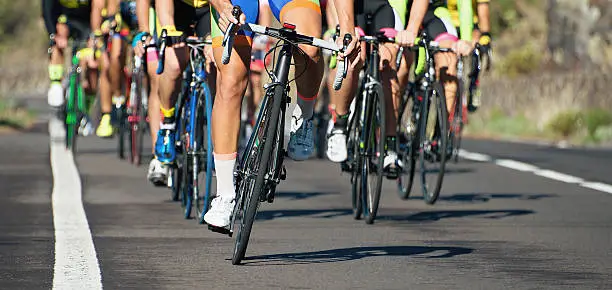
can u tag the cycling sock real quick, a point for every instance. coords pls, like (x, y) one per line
(168, 121)
(306, 105)
(56, 71)
(341, 121)
(224, 167)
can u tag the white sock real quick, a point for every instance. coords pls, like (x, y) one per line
(224, 167)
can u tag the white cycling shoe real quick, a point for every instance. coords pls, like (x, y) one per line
(220, 212)
(55, 95)
(158, 173)
(336, 146)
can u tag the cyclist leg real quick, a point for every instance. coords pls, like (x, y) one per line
(306, 15)
(441, 30)
(231, 84)
(51, 14)
(174, 16)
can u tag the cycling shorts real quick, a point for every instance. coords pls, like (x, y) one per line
(79, 28)
(250, 8)
(191, 20)
(438, 25)
(128, 15)
(372, 16)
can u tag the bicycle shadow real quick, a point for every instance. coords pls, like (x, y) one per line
(356, 253)
(267, 215)
(299, 195)
(433, 216)
(486, 197)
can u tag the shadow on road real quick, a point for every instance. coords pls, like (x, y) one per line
(356, 253)
(485, 197)
(299, 195)
(432, 216)
(314, 213)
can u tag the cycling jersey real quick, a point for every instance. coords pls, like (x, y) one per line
(250, 8)
(455, 10)
(197, 3)
(75, 13)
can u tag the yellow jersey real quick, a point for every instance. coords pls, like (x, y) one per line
(196, 3)
(453, 8)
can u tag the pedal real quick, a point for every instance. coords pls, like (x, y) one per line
(392, 173)
(346, 167)
(220, 230)
(283, 173)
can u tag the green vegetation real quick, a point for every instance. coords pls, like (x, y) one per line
(13, 116)
(583, 127)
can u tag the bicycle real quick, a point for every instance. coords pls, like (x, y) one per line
(137, 104)
(74, 111)
(423, 134)
(261, 167)
(194, 132)
(366, 134)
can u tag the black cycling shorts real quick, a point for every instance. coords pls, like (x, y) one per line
(373, 15)
(128, 14)
(190, 20)
(80, 28)
(437, 28)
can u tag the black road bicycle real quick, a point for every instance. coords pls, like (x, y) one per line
(422, 128)
(261, 166)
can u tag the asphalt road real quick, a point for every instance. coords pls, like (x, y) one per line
(493, 228)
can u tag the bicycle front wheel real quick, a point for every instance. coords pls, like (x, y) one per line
(256, 163)
(433, 142)
(406, 146)
(372, 167)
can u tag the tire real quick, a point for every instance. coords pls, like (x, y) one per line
(456, 125)
(252, 198)
(430, 152)
(355, 163)
(372, 170)
(207, 140)
(407, 148)
(121, 131)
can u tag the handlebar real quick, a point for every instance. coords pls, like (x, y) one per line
(162, 51)
(341, 72)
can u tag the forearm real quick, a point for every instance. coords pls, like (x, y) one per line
(165, 12)
(484, 20)
(96, 14)
(219, 4)
(417, 13)
(265, 16)
(331, 15)
(466, 20)
(346, 16)
(142, 13)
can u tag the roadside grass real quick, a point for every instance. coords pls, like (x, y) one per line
(14, 117)
(578, 127)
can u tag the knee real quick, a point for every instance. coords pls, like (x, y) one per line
(231, 87)
(172, 69)
(312, 52)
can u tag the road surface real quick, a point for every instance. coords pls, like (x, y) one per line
(495, 226)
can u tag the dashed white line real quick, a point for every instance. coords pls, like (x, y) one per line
(474, 156)
(559, 176)
(516, 165)
(526, 167)
(598, 186)
(76, 264)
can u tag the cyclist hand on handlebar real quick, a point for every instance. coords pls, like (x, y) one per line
(406, 38)
(139, 45)
(226, 17)
(462, 47)
(352, 50)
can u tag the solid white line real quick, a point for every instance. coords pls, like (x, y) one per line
(558, 176)
(516, 165)
(474, 156)
(76, 264)
(598, 186)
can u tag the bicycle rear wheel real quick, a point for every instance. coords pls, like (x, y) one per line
(434, 141)
(457, 121)
(406, 146)
(72, 116)
(137, 118)
(208, 151)
(372, 167)
(255, 170)
(121, 131)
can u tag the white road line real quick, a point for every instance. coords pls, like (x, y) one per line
(474, 156)
(559, 176)
(516, 165)
(525, 167)
(598, 186)
(76, 264)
